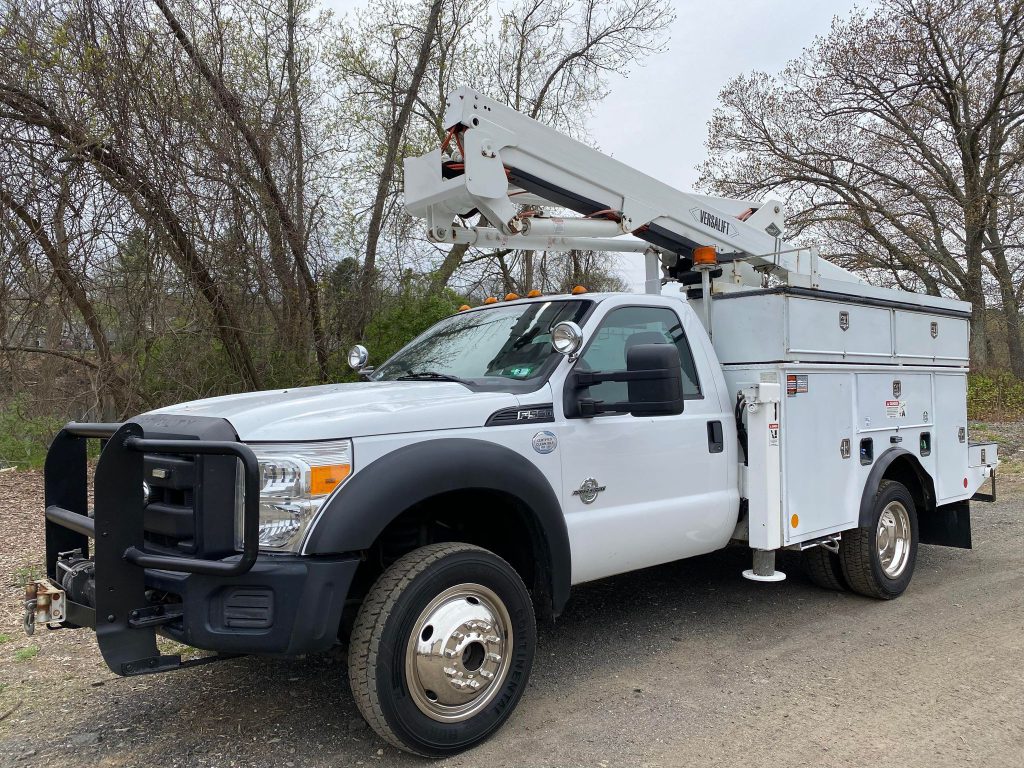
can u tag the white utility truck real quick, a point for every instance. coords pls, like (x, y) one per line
(755, 395)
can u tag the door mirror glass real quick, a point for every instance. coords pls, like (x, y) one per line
(660, 393)
(653, 379)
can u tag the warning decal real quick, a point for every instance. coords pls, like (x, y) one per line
(796, 384)
(773, 434)
(895, 409)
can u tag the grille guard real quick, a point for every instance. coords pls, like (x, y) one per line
(121, 617)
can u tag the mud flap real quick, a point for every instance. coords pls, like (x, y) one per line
(948, 526)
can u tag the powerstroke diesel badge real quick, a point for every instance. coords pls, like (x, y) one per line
(588, 490)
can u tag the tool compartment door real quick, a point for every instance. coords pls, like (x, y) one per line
(950, 418)
(819, 484)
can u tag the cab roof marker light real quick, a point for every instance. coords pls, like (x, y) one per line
(577, 290)
(534, 294)
(511, 296)
(464, 307)
(491, 300)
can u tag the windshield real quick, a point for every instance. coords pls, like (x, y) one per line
(505, 342)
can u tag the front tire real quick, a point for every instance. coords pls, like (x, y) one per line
(442, 648)
(878, 559)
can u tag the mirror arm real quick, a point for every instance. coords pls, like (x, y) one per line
(589, 378)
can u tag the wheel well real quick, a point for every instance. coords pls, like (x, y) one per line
(491, 519)
(909, 472)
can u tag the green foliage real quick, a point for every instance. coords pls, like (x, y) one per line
(4, 638)
(24, 654)
(404, 317)
(25, 434)
(997, 396)
(27, 573)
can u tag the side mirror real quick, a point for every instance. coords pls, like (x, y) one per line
(653, 379)
(662, 393)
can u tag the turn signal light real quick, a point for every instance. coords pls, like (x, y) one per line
(705, 255)
(491, 300)
(323, 480)
(578, 290)
(464, 307)
(511, 296)
(533, 294)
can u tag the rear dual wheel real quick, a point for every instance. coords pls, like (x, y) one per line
(878, 559)
(442, 648)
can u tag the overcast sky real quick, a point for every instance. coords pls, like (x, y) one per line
(655, 118)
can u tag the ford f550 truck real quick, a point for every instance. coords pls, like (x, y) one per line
(754, 395)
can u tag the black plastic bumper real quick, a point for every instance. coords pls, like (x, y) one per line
(283, 606)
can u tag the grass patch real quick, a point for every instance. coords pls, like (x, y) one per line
(172, 648)
(27, 574)
(5, 638)
(25, 654)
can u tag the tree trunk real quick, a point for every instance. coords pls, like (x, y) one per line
(449, 266)
(1011, 306)
(387, 169)
(110, 378)
(231, 105)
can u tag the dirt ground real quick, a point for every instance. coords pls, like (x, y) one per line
(682, 665)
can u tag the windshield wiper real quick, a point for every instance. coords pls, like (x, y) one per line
(430, 376)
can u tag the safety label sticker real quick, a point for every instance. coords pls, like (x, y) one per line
(796, 384)
(895, 409)
(773, 434)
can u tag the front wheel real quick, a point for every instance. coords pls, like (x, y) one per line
(442, 648)
(878, 559)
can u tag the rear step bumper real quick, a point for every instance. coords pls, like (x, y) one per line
(238, 603)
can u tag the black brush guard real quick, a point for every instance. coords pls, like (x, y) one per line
(125, 622)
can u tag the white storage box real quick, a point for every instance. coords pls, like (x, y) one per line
(793, 324)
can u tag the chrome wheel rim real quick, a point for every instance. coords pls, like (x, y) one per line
(893, 539)
(458, 654)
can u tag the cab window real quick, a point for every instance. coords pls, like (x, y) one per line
(626, 327)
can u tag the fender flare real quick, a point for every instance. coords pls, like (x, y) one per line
(877, 474)
(379, 492)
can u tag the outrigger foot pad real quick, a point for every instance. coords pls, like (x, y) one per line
(764, 567)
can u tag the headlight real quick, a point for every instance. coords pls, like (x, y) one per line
(295, 480)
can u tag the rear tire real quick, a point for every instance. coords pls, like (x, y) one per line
(824, 568)
(878, 559)
(442, 648)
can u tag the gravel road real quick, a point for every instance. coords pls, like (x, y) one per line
(681, 665)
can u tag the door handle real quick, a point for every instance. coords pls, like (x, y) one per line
(716, 438)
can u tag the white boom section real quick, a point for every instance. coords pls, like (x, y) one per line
(510, 159)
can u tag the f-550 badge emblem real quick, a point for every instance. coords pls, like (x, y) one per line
(588, 491)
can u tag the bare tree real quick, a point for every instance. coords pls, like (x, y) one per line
(894, 137)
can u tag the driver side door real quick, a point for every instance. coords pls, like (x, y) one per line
(639, 491)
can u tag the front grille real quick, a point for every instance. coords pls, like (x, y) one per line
(191, 504)
(170, 518)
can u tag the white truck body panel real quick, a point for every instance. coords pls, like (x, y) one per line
(333, 411)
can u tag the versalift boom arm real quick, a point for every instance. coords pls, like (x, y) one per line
(509, 168)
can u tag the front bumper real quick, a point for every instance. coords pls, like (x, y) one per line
(115, 574)
(283, 606)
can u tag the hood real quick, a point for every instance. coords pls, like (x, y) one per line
(332, 411)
